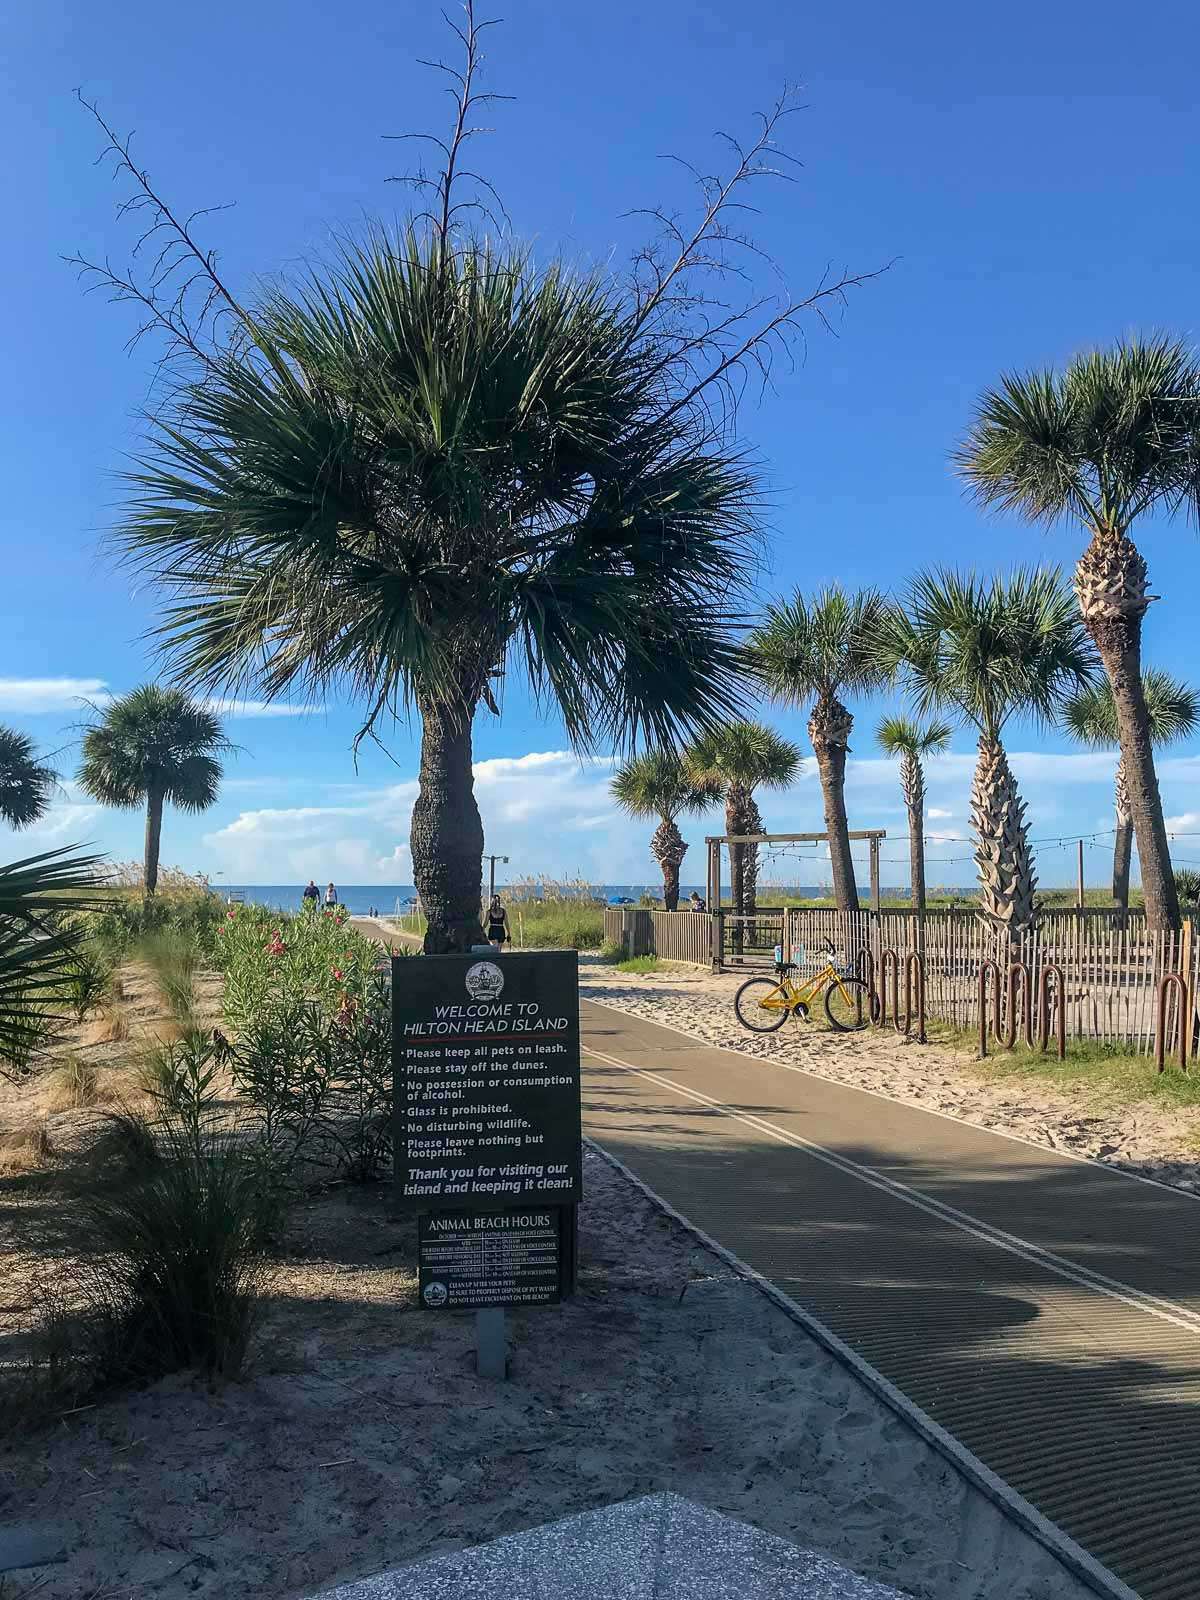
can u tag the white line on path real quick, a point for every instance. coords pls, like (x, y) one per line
(1155, 1306)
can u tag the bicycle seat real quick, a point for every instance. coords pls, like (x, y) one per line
(785, 966)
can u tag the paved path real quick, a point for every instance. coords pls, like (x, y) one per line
(1045, 1311)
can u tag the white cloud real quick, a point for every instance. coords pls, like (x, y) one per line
(34, 696)
(1181, 824)
(256, 708)
(939, 813)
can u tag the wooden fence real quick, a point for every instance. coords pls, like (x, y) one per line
(672, 935)
(1111, 963)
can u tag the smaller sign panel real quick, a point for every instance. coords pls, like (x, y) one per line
(472, 1259)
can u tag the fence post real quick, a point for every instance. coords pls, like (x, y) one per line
(717, 928)
(875, 876)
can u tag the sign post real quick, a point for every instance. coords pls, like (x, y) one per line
(487, 1130)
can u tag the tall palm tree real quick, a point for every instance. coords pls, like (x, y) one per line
(1114, 435)
(658, 784)
(1173, 713)
(150, 746)
(911, 740)
(817, 650)
(437, 467)
(735, 760)
(985, 651)
(26, 784)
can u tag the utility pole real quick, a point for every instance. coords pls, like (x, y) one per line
(491, 861)
(1080, 890)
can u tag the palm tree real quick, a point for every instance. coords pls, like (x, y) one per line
(735, 760)
(1173, 713)
(1114, 435)
(816, 650)
(151, 746)
(26, 784)
(658, 784)
(910, 740)
(986, 651)
(441, 467)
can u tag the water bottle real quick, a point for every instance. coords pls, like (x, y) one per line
(778, 955)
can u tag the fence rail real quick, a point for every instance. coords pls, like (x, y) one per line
(672, 935)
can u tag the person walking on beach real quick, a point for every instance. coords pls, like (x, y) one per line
(497, 922)
(697, 904)
(311, 896)
(331, 898)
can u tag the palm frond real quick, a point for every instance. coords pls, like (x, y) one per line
(26, 784)
(658, 783)
(745, 755)
(37, 946)
(153, 735)
(905, 736)
(988, 649)
(1113, 434)
(822, 646)
(1173, 711)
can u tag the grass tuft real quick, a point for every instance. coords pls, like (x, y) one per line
(71, 1086)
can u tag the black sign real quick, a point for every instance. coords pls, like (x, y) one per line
(486, 1057)
(495, 1258)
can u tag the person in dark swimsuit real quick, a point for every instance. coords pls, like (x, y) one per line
(497, 922)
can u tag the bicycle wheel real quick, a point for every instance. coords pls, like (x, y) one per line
(761, 1005)
(848, 1004)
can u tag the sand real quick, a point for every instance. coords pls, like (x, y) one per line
(1154, 1142)
(363, 1438)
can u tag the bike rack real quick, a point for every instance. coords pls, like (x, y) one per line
(1169, 981)
(1052, 970)
(914, 986)
(1020, 984)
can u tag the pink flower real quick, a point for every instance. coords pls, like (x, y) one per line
(337, 974)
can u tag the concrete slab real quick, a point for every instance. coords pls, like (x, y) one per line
(30, 1544)
(661, 1547)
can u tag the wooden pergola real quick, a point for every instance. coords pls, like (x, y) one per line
(715, 841)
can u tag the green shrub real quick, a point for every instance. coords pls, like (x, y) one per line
(639, 964)
(613, 950)
(193, 913)
(274, 962)
(174, 1271)
(321, 1084)
(1187, 885)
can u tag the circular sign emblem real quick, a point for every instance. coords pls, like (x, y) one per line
(434, 1294)
(484, 981)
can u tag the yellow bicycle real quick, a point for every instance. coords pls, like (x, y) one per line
(764, 1004)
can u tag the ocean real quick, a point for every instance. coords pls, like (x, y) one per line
(392, 899)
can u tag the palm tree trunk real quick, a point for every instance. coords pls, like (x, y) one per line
(753, 823)
(1007, 880)
(447, 834)
(154, 811)
(912, 781)
(735, 799)
(1123, 844)
(829, 732)
(668, 848)
(1111, 583)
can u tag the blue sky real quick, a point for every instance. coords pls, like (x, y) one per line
(1031, 171)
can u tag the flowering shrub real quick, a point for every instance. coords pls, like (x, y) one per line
(275, 963)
